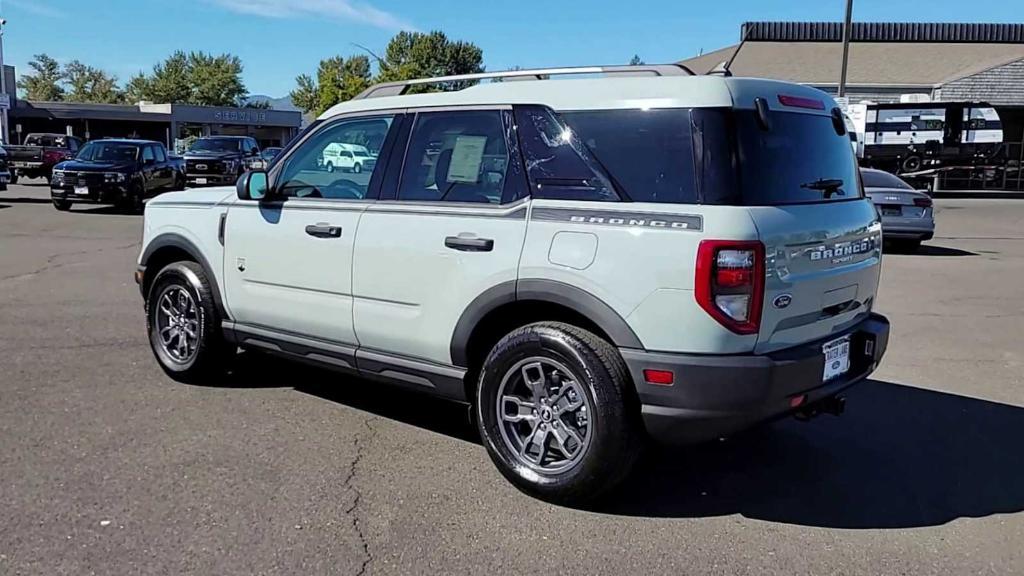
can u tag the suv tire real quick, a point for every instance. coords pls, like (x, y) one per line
(528, 388)
(180, 305)
(62, 205)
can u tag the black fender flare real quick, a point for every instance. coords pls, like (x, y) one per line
(539, 290)
(170, 239)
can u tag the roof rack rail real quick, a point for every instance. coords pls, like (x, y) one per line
(401, 87)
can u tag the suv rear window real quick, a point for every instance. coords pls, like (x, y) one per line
(694, 156)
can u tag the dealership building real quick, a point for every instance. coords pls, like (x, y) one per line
(934, 61)
(167, 123)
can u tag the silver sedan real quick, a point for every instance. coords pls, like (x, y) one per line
(906, 213)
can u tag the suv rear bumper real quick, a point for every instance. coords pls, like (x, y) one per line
(716, 396)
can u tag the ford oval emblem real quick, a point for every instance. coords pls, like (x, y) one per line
(782, 301)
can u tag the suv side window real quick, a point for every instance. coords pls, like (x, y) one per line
(558, 163)
(459, 156)
(303, 175)
(147, 154)
(160, 155)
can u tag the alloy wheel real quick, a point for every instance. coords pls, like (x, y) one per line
(177, 323)
(544, 415)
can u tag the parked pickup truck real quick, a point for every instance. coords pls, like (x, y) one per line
(220, 160)
(40, 153)
(120, 172)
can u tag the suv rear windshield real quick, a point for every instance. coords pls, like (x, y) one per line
(714, 156)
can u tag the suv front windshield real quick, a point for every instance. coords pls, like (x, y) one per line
(108, 152)
(216, 145)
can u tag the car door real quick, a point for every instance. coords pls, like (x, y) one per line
(150, 170)
(450, 228)
(288, 259)
(163, 176)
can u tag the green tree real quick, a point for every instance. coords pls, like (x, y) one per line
(45, 84)
(137, 89)
(192, 78)
(216, 80)
(88, 84)
(258, 104)
(337, 80)
(170, 82)
(412, 55)
(636, 61)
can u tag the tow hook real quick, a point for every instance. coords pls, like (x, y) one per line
(834, 405)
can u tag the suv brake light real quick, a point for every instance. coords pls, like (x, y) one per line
(923, 202)
(730, 283)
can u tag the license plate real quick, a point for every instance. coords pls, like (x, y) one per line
(837, 358)
(200, 180)
(19, 164)
(891, 211)
(82, 190)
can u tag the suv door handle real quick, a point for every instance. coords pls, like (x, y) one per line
(469, 244)
(323, 231)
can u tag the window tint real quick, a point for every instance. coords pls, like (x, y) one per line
(456, 157)
(800, 159)
(160, 155)
(646, 152)
(305, 172)
(147, 154)
(879, 179)
(558, 164)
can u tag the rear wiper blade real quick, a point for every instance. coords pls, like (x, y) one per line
(827, 185)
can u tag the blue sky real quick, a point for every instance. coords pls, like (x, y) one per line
(279, 39)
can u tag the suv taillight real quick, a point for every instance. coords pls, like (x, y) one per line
(923, 202)
(730, 283)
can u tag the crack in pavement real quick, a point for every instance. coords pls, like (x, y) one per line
(352, 510)
(50, 265)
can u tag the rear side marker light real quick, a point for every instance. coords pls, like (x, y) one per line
(730, 283)
(659, 377)
(800, 102)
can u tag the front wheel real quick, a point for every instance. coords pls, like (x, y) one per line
(330, 167)
(357, 168)
(183, 324)
(14, 177)
(62, 205)
(557, 413)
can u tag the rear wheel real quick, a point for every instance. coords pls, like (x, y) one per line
(556, 412)
(330, 167)
(183, 324)
(14, 177)
(62, 205)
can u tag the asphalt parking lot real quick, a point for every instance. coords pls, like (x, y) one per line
(109, 467)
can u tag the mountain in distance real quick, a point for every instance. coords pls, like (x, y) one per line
(284, 103)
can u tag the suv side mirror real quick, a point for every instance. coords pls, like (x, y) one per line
(252, 185)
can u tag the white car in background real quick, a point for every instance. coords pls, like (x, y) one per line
(347, 157)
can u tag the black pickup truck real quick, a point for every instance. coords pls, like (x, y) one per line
(220, 160)
(40, 153)
(120, 172)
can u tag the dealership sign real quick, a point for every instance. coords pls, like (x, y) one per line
(240, 115)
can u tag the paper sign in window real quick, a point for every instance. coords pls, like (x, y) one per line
(467, 156)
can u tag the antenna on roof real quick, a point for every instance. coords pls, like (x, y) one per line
(723, 68)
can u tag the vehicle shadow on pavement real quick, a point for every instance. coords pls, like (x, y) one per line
(929, 250)
(26, 200)
(254, 370)
(899, 457)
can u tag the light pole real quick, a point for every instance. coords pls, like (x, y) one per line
(847, 29)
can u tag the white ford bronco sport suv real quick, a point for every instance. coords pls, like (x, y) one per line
(589, 262)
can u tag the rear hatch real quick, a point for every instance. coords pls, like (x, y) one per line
(896, 203)
(822, 237)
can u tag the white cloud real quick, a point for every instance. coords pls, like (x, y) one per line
(336, 9)
(36, 7)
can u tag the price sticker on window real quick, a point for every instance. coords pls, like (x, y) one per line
(467, 156)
